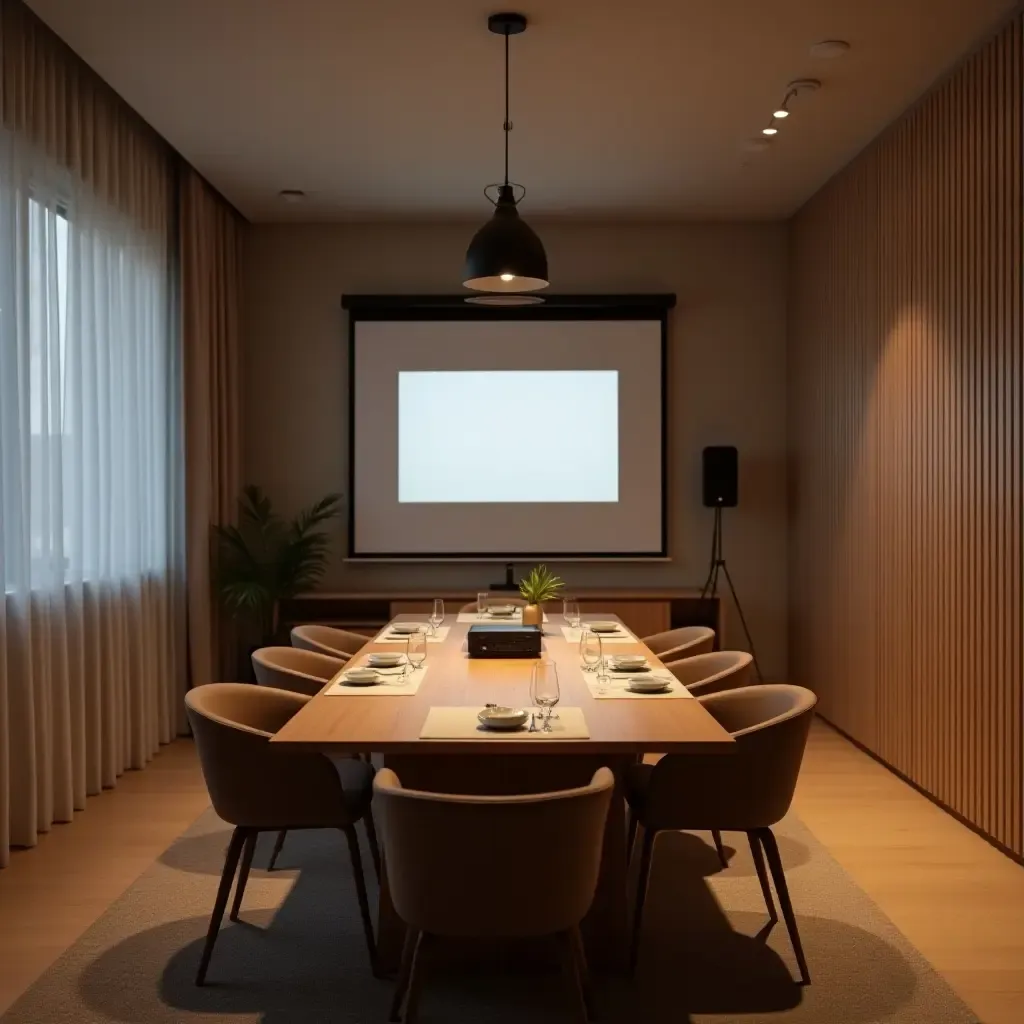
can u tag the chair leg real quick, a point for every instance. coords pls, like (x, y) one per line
(278, 847)
(641, 893)
(572, 971)
(631, 834)
(226, 878)
(762, 874)
(371, 835)
(580, 955)
(364, 903)
(722, 859)
(412, 944)
(771, 849)
(243, 875)
(416, 972)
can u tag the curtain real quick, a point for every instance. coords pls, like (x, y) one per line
(211, 271)
(92, 668)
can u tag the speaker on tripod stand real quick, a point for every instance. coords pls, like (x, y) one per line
(720, 486)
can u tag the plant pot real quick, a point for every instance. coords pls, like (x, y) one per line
(533, 615)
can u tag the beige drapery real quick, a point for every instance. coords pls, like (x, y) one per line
(211, 272)
(92, 633)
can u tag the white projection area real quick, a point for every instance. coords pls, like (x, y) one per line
(506, 438)
(440, 460)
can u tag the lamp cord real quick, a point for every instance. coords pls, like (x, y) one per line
(508, 124)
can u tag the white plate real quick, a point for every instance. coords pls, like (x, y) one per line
(502, 718)
(656, 685)
(383, 659)
(602, 626)
(501, 611)
(408, 627)
(361, 677)
(632, 661)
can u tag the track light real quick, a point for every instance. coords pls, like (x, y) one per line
(770, 130)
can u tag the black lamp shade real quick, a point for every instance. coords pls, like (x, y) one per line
(506, 255)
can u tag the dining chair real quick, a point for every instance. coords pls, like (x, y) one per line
(443, 852)
(335, 643)
(256, 789)
(748, 790)
(513, 599)
(684, 642)
(709, 673)
(289, 668)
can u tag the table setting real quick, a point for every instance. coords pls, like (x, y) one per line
(382, 673)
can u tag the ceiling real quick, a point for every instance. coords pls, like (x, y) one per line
(393, 108)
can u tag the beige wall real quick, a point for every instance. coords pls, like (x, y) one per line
(727, 366)
(907, 360)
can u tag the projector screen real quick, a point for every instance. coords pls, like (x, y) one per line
(507, 438)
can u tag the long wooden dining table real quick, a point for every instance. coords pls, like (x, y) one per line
(621, 731)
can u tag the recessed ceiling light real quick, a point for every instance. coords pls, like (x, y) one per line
(291, 195)
(769, 131)
(827, 49)
(781, 112)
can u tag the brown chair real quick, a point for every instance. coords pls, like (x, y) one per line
(511, 598)
(684, 642)
(709, 673)
(748, 790)
(442, 851)
(259, 790)
(287, 668)
(335, 643)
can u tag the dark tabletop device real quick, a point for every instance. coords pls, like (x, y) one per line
(504, 640)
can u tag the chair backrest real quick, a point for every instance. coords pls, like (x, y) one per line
(457, 865)
(288, 668)
(249, 783)
(709, 673)
(684, 642)
(335, 643)
(512, 599)
(753, 786)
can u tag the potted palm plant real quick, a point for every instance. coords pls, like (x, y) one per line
(266, 559)
(539, 586)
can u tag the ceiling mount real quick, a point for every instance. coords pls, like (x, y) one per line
(804, 85)
(507, 24)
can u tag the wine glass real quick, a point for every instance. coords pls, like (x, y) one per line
(416, 649)
(571, 612)
(544, 690)
(437, 614)
(591, 650)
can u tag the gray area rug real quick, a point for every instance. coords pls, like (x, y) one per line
(298, 954)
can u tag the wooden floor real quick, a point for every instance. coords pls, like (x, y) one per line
(958, 900)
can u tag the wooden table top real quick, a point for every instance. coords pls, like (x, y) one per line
(351, 724)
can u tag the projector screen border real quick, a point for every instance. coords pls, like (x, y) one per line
(639, 306)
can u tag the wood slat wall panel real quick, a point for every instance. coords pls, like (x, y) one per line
(906, 416)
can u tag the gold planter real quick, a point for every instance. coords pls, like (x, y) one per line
(533, 615)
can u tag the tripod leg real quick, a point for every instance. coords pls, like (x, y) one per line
(711, 583)
(743, 621)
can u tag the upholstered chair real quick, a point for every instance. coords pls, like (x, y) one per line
(748, 790)
(709, 673)
(443, 853)
(257, 789)
(335, 643)
(684, 642)
(288, 668)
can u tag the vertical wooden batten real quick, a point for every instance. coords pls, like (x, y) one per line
(906, 365)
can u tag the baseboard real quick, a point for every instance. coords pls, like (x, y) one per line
(991, 840)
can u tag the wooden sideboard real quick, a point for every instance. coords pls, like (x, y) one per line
(645, 611)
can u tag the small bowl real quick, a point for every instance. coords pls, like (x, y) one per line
(602, 626)
(655, 685)
(502, 718)
(385, 659)
(407, 627)
(627, 662)
(501, 610)
(360, 677)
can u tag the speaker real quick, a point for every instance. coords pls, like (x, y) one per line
(721, 476)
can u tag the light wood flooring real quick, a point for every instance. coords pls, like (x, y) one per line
(958, 900)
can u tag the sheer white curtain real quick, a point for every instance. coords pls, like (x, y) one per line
(91, 671)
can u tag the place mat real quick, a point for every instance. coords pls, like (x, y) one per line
(384, 636)
(461, 724)
(616, 687)
(393, 685)
(625, 637)
(472, 617)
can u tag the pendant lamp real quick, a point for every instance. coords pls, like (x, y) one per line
(506, 256)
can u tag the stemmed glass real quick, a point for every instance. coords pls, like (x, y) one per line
(591, 650)
(544, 691)
(415, 650)
(481, 602)
(436, 615)
(571, 612)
